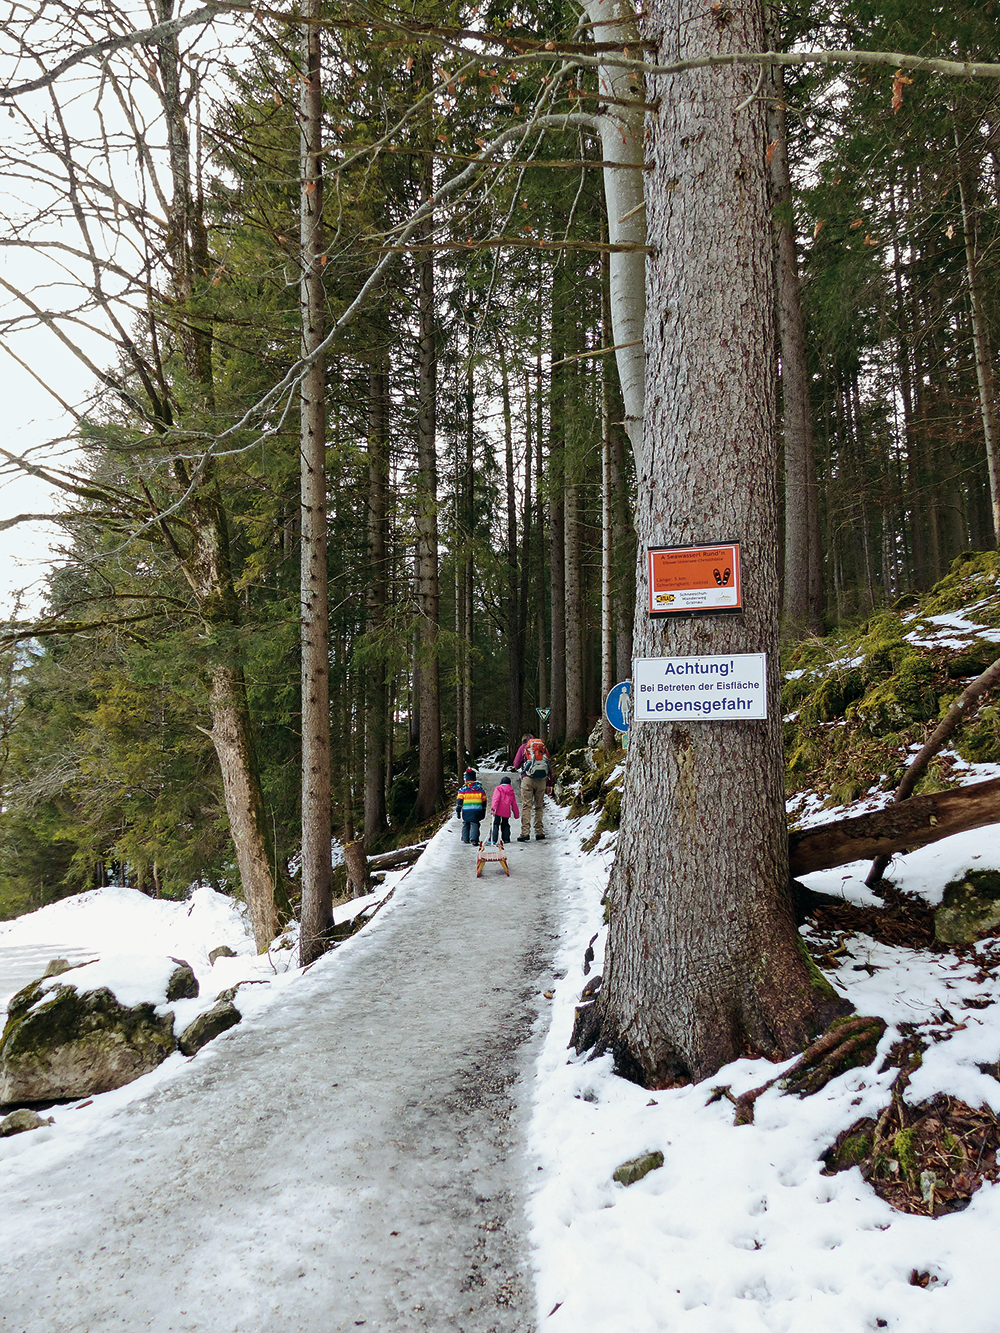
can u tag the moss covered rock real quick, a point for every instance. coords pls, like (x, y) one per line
(970, 908)
(64, 1044)
(980, 741)
(637, 1168)
(209, 1025)
(974, 660)
(183, 984)
(831, 697)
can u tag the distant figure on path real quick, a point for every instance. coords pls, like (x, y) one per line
(470, 806)
(536, 770)
(504, 805)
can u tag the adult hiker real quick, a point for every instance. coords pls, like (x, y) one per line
(536, 769)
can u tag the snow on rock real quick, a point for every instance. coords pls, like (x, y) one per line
(63, 1042)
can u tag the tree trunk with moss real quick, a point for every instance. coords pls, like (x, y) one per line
(704, 963)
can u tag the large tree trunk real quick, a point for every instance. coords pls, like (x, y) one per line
(901, 827)
(801, 600)
(980, 331)
(556, 519)
(621, 128)
(515, 652)
(704, 963)
(206, 564)
(376, 687)
(234, 748)
(431, 789)
(208, 573)
(576, 722)
(314, 626)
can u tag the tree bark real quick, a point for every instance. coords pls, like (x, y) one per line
(376, 688)
(800, 598)
(430, 795)
(358, 870)
(980, 335)
(576, 723)
(515, 652)
(317, 872)
(621, 129)
(556, 520)
(704, 963)
(205, 563)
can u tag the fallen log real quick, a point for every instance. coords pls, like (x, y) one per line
(902, 827)
(402, 856)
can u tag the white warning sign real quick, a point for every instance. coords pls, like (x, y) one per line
(726, 688)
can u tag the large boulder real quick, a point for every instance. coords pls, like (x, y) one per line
(60, 1043)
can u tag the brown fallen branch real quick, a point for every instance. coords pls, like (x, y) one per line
(902, 827)
(937, 740)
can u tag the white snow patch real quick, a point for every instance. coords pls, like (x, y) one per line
(739, 1232)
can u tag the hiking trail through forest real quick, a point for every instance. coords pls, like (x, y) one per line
(351, 1156)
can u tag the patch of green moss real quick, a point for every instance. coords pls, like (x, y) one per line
(972, 576)
(974, 886)
(979, 742)
(882, 646)
(908, 695)
(974, 660)
(819, 981)
(796, 689)
(831, 697)
(904, 1149)
(852, 1150)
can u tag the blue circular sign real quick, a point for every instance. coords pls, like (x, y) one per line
(617, 707)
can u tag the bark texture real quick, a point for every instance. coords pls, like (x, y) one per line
(431, 793)
(703, 962)
(803, 600)
(317, 871)
(377, 686)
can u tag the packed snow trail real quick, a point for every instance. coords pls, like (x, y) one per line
(349, 1157)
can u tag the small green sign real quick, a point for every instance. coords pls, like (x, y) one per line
(544, 713)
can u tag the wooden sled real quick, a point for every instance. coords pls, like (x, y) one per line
(492, 851)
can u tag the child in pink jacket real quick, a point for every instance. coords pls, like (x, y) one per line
(504, 803)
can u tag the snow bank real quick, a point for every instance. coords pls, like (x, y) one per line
(739, 1232)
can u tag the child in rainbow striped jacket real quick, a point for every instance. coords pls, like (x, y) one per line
(470, 806)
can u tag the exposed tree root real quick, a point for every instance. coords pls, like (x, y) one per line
(846, 1044)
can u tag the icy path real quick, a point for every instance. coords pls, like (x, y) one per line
(350, 1157)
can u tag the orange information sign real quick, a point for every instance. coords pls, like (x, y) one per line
(695, 580)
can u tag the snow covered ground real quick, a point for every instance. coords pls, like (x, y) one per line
(738, 1232)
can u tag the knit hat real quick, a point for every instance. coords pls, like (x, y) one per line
(470, 774)
(505, 782)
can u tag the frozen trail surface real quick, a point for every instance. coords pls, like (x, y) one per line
(349, 1157)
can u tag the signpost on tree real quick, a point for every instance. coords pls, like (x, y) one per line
(704, 963)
